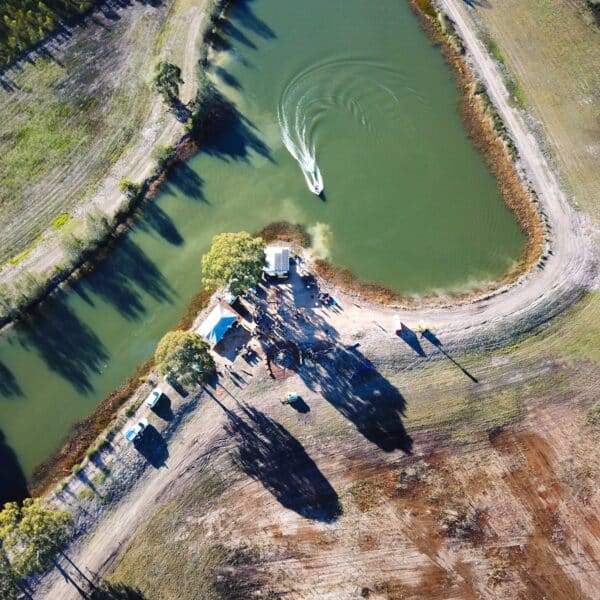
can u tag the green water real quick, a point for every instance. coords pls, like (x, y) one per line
(356, 86)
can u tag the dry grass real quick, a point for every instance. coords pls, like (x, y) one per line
(553, 48)
(285, 232)
(67, 118)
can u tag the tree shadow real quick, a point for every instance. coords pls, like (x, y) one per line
(153, 447)
(7, 84)
(116, 591)
(84, 478)
(67, 345)
(245, 15)
(362, 395)
(225, 133)
(122, 279)
(226, 77)
(268, 453)
(216, 40)
(231, 31)
(435, 341)
(184, 178)
(98, 461)
(181, 111)
(156, 219)
(9, 387)
(13, 485)
(477, 3)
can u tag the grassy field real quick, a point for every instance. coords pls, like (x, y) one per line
(553, 48)
(67, 117)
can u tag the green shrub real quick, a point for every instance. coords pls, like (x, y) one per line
(14, 260)
(86, 494)
(130, 189)
(515, 92)
(59, 221)
(72, 246)
(161, 155)
(97, 226)
(76, 468)
(100, 478)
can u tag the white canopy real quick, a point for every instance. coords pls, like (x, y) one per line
(278, 260)
(215, 326)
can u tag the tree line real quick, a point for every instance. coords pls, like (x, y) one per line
(24, 23)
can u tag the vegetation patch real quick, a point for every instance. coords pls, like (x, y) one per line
(593, 416)
(14, 260)
(173, 557)
(283, 231)
(59, 221)
(24, 23)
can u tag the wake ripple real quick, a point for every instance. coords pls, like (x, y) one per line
(344, 83)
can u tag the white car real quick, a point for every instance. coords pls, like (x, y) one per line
(135, 432)
(153, 398)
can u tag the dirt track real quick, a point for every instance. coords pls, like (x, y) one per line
(535, 297)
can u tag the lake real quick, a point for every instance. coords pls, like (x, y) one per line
(349, 94)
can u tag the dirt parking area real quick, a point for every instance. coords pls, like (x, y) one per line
(373, 484)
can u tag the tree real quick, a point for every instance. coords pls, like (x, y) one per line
(30, 538)
(130, 189)
(167, 79)
(235, 260)
(184, 356)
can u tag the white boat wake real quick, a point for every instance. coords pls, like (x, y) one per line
(339, 84)
(303, 153)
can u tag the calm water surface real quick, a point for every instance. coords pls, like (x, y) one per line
(347, 92)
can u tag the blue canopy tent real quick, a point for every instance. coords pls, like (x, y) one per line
(215, 326)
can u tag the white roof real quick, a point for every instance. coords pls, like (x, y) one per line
(219, 320)
(278, 259)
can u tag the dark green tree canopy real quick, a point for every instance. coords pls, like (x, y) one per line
(185, 356)
(167, 79)
(24, 23)
(235, 260)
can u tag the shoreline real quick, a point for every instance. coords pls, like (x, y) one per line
(464, 308)
(479, 128)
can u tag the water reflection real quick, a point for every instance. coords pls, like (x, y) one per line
(13, 485)
(126, 276)
(66, 344)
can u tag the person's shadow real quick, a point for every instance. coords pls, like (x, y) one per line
(406, 334)
(435, 341)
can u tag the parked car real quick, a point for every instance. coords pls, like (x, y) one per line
(290, 398)
(153, 398)
(136, 432)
